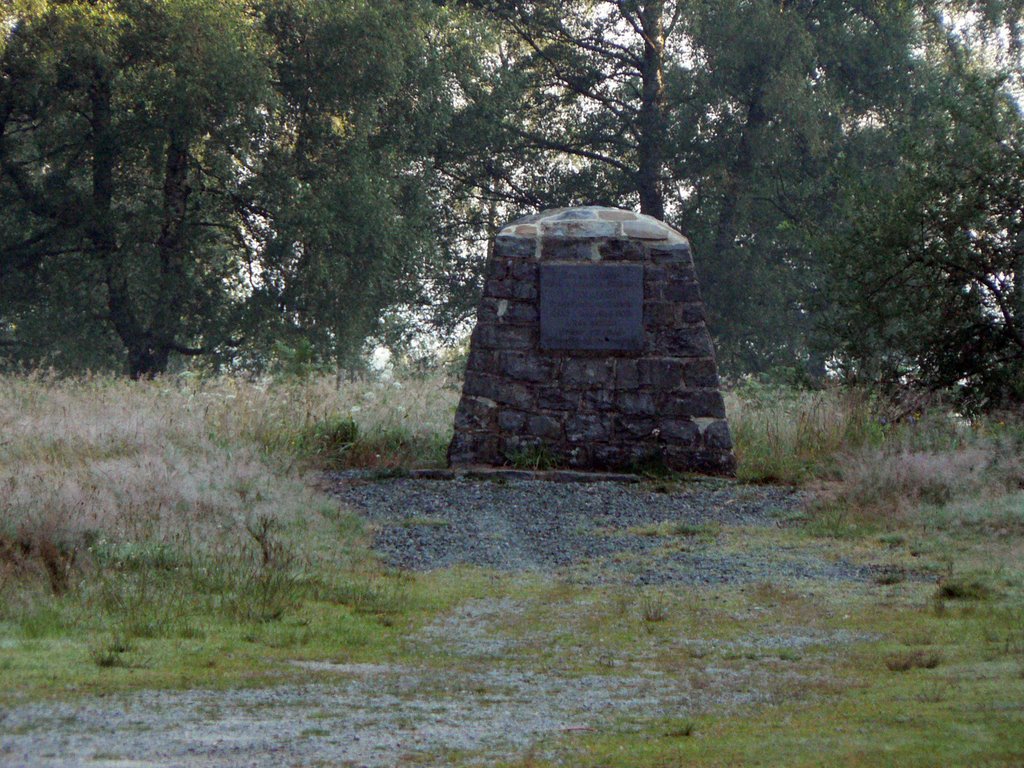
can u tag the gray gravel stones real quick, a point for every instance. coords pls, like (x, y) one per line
(584, 532)
(375, 715)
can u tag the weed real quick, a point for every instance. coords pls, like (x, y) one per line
(888, 575)
(536, 457)
(905, 661)
(654, 607)
(963, 588)
(329, 440)
(109, 652)
(892, 540)
(679, 729)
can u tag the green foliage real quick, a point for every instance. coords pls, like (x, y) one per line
(535, 457)
(205, 177)
(928, 273)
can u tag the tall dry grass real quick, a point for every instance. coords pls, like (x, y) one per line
(866, 467)
(187, 469)
(788, 435)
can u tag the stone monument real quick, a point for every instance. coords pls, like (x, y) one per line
(591, 350)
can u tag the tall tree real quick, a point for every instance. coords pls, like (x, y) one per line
(111, 116)
(928, 283)
(193, 177)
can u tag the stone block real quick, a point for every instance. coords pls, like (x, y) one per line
(621, 250)
(676, 253)
(587, 428)
(474, 448)
(587, 373)
(661, 314)
(598, 400)
(522, 312)
(646, 230)
(661, 373)
(692, 313)
(476, 413)
(525, 270)
(482, 360)
(557, 399)
(498, 289)
(680, 432)
(635, 427)
(717, 437)
(512, 247)
(559, 249)
(524, 367)
(498, 269)
(681, 290)
(511, 421)
(636, 403)
(700, 374)
(627, 374)
(689, 342)
(617, 215)
(695, 403)
(583, 229)
(499, 390)
(494, 336)
(544, 426)
(524, 290)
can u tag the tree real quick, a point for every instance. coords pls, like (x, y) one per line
(723, 118)
(204, 177)
(929, 271)
(114, 118)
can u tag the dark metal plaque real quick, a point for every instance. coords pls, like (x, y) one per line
(592, 306)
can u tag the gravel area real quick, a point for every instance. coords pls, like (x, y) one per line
(376, 715)
(484, 699)
(584, 532)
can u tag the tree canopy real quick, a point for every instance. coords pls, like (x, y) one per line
(205, 178)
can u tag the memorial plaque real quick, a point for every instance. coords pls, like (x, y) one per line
(592, 307)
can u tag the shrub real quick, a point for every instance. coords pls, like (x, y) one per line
(908, 660)
(963, 588)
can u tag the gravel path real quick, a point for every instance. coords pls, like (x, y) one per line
(486, 700)
(585, 532)
(376, 715)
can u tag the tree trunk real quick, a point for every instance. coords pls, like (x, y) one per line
(739, 173)
(166, 323)
(121, 311)
(651, 118)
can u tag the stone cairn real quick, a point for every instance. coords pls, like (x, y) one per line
(591, 351)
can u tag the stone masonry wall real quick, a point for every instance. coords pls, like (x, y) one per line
(592, 409)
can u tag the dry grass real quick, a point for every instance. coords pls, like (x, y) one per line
(785, 435)
(866, 469)
(185, 467)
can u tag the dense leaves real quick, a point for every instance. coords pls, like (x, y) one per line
(218, 179)
(199, 177)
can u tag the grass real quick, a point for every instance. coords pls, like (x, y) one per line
(148, 526)
(166, 535)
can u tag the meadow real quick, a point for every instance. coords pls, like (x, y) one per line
(174, 534)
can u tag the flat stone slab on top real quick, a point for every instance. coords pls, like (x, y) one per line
(592, 222)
